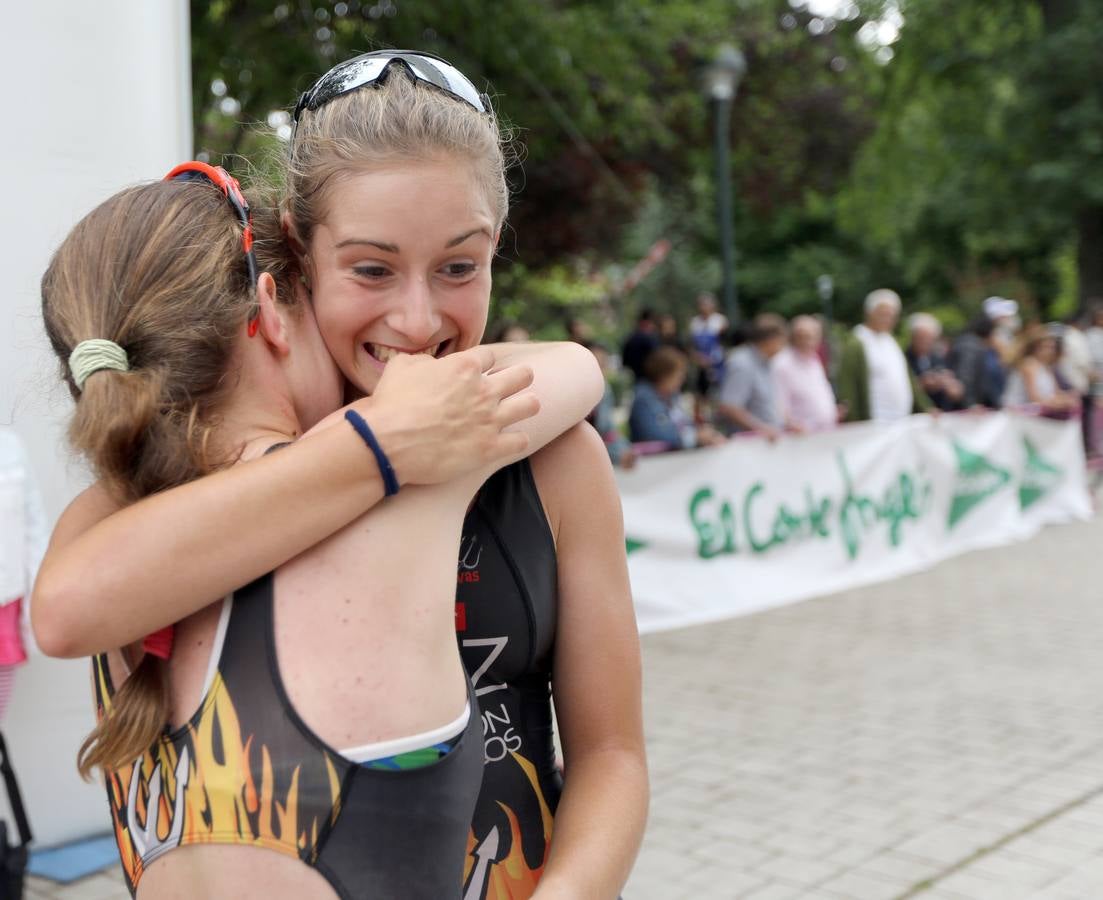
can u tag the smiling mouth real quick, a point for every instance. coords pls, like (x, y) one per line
(384, 354)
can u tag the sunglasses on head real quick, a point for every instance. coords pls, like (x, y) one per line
(231, 190)
(372, 68)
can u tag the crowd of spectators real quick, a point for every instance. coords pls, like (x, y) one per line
(710, 382)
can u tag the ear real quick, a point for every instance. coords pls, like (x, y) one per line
(498, 238)
(272, 327)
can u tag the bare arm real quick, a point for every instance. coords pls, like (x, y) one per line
(111, 577)
(741, 417)
(1028, 371)
(600, 819)
(568, 382)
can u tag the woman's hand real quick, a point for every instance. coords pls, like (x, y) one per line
(466, 415)
(438, 419)
(707, 436)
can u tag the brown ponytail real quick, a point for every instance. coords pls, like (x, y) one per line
(134, 719)
(159, 270)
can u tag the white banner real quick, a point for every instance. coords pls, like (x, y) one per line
(731, 530)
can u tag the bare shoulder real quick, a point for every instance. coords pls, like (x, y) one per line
(572, 469)
(576, 456)
(90, 506)
(1029, 368)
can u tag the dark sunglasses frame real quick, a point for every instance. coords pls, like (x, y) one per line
(231, 190)
(373, 68)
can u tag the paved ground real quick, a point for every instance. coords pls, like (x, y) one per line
(938, 738)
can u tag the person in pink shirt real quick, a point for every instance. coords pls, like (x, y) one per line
(23, 534)
(803, 391)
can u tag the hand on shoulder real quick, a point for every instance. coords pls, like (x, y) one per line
(439, 419)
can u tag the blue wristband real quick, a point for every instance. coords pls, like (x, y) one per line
(390, 480)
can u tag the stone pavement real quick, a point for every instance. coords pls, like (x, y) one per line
(939, 737)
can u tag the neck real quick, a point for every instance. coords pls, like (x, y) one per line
(259, 412)
(251, 434)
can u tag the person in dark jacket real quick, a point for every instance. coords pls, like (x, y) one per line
(928, 363)
(640, 343)
(975, 360)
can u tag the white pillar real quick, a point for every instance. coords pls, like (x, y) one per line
(96, 96)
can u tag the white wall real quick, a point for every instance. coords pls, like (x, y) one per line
(96, 96)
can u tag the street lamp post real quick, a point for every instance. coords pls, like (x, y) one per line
(825, 287)
(721, 83)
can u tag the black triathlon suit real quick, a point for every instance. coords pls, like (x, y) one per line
(246, 770)
(505, 621)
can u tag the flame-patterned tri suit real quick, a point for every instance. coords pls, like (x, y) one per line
(505, 621)
(246, 770)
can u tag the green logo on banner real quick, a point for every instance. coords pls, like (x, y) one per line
(850, 515)
(1039, 477)
(977, 480)
(631, 545)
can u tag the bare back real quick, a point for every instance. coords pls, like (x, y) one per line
(366, 651)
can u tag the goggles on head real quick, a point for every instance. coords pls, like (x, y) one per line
(372, 68)
(231, 190)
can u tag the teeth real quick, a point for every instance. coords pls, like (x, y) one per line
(386, 354)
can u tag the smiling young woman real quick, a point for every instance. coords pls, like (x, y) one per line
(387, 282)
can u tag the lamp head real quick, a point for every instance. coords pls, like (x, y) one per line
(723, 74)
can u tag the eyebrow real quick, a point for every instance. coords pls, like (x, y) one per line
(393, 248)
(456, 241)
(355, 242)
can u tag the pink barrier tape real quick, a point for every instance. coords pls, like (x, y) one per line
(1036, 410)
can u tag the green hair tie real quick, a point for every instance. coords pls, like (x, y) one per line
(91, 356)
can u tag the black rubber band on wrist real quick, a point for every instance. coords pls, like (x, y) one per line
(390, 480)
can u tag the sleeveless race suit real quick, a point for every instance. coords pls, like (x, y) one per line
(505, 622)
(246, 770)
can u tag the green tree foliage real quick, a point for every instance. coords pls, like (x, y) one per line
(606, 98)
(985, 165)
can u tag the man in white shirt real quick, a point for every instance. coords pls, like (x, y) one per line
(874, 381)
(1076, 356)
(1077, 368)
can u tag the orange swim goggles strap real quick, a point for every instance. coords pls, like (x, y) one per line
(231, 190)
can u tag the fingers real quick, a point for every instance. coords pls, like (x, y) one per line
(510, 380)
(517, 408)
(483, 356)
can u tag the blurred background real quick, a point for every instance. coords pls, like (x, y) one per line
(947, 148)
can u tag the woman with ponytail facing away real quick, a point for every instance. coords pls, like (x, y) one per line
(310, 734)
(394, 200)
